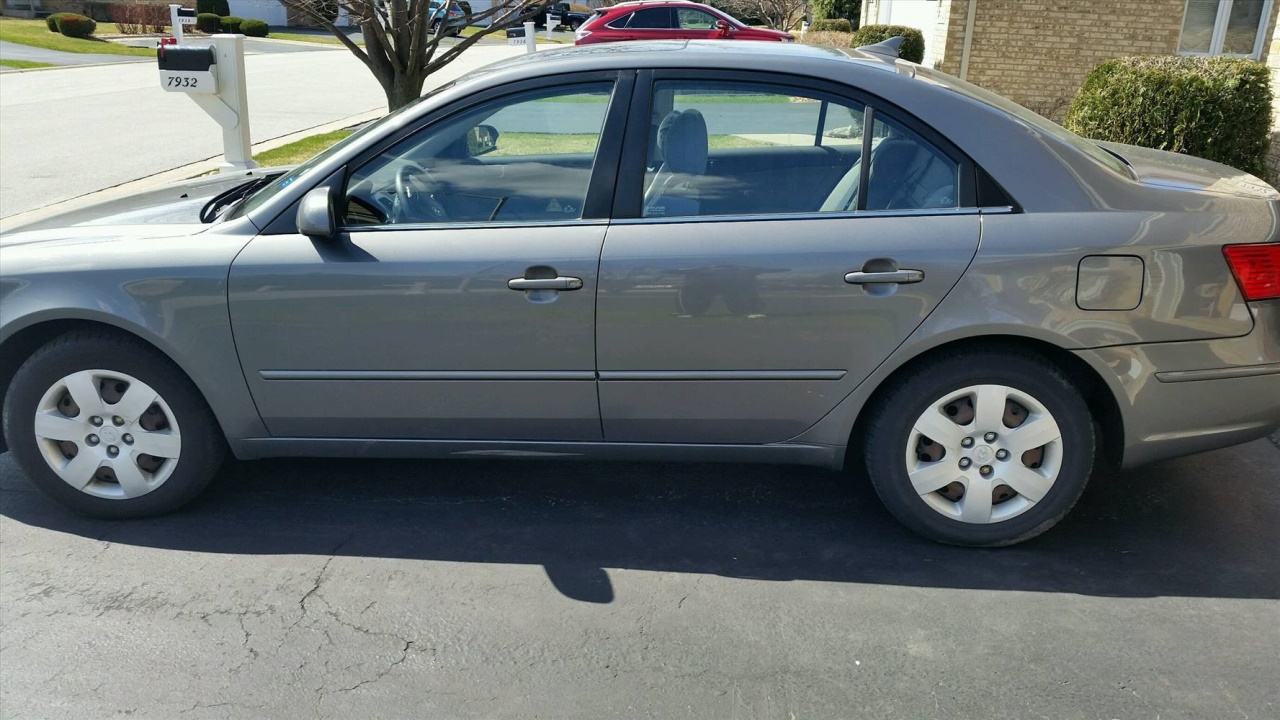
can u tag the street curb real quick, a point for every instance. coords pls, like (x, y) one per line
(14, 222)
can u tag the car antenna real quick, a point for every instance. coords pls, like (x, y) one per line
(887, 48)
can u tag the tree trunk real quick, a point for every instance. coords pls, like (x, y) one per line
(402, 89)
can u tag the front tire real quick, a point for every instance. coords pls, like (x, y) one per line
(981, 449)
(108, 427)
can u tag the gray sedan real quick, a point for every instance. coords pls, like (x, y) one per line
(663, 251)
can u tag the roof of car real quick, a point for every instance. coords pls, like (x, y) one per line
(638, 3)
(695, 53)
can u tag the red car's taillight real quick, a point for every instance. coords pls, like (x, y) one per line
(1256, 268)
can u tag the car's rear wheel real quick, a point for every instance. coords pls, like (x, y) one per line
(981, 449)
(110, 428)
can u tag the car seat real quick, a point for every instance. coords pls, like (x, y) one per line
(682, 145)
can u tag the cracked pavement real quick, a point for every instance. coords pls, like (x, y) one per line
(503, 589)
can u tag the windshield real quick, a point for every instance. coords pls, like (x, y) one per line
(257, 199)
(1039, 122)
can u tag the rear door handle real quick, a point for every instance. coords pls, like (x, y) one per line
(899, 277)
(556, 283)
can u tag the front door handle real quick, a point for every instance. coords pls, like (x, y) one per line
(899, 277)
(555, 283)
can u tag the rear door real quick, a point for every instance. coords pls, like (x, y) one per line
(744, 295)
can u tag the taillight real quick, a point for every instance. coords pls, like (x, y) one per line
(1256, 268)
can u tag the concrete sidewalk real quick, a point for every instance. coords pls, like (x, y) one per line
(70, 132)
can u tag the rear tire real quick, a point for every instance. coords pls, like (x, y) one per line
(109, 427)
(944, 453)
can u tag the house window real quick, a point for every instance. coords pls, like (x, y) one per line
(1225, 27)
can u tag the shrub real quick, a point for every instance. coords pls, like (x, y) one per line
(254, 27)
(829, 39)
(912, 39)
(230, 24)
(1215, 108)
(137, 18)
(838, 10)
(831, 25)
(52, 21)
(76, 26)
(208, 23)
(221, 8)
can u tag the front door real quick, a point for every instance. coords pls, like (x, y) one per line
(459, 302)
(757, 283)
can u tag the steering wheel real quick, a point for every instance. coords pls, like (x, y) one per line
(415, 196)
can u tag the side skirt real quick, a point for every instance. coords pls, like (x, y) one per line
(780, 453)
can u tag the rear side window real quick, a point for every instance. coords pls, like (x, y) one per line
(736, 148)
(650, 19)
(619, 23)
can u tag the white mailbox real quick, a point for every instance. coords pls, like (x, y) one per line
(213, 77)
(188, 69)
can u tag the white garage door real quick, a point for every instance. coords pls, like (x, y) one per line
(269, 10)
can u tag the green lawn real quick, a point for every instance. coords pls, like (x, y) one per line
(296, 152)
(306, 37)
(509, 144)
(502, 35)
(36, 34)
(24, 64)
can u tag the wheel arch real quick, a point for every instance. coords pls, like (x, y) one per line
(19, 344)
(1094, 390)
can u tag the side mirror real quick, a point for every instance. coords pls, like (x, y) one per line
(724, 27)
(482, 139)
(315, 215)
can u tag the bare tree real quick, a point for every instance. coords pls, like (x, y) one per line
(404, 39)
(781, 14)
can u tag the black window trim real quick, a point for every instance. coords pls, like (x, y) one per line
(629, 189)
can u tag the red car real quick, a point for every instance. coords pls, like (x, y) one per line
(668, 20)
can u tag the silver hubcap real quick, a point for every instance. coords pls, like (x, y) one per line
(984, 454)
(107, 434)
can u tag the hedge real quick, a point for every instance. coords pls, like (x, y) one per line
(849, 10)
(52, 21)
(254, 27)
(221, 8)
(912, 39)
(831, 25)
(1212, 107)
(76, 26)
(208, 23)
(230, 24)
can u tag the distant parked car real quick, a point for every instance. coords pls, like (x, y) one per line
(570, 18)
(663, 20)
(673, 250)
(448, 12)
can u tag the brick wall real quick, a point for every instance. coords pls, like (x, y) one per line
(1273, 60)
(1037, 52)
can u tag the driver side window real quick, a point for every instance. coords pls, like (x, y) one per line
(523, 158)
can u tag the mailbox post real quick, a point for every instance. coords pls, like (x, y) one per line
(179, 16)
(553, 22)
(213, 77)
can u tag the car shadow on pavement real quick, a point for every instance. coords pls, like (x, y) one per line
(1179, 528)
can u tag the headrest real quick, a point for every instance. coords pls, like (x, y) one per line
(682, 141)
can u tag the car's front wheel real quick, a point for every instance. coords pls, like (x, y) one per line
(982, 448)
(110, 428)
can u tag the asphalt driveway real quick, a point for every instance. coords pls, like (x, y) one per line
(524, 589)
